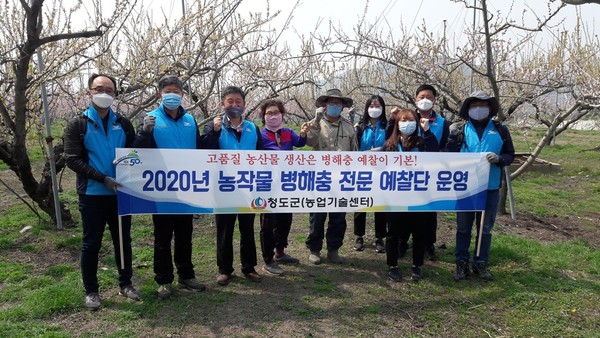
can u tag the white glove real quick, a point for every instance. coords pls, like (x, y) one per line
(492, 158)
(319, 114)
(111, 184)
(149, 122)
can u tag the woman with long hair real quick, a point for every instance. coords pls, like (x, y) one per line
(370, 134)
(406, 137)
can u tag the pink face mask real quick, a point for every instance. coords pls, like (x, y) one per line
(274, 122)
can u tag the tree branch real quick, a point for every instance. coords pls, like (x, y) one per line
(6, 117)
(539, 27)
(25, 6)
(67, 36)
(581, 2)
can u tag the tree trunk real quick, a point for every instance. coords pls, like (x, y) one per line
(39, 192)
(44, 196)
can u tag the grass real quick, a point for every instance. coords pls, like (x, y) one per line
(579, 179)
(541, 288)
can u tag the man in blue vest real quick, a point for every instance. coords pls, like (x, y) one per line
(425, 100)
(480, 134)
(90, 143)
(171, 126)
(233, 131)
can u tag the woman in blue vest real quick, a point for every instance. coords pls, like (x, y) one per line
(480, 134)
(370, 134)
(408, 137)
(233, 131)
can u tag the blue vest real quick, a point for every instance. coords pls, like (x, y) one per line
(228, 138)
(413, 150)
(174, 134)
(437, 127)
(101, 146)
(491, 141)
(372, 137)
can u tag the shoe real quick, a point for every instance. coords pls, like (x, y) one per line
(164, 291)
(480, 269)
(416, 274)
(253, 276)
(430, 252)
(315, 257)
(192, 284)
(379, 245)
(223, 279)
(394, 274)
(359, 244)
(286, 259)
(273, 268)
(92, 301)
(130, 292)
(334, 257)
(462, 271)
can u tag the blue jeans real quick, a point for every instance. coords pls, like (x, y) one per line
(96, 212)
(464, 224)
(336, 229)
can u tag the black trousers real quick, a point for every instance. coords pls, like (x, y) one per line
(404, 224)
(179, 229)
(360, 220)
(274, 231)
(431, 235)
(336, 229)
(225, 225)
(96, 212)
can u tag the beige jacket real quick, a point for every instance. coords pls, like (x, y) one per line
(332, 136)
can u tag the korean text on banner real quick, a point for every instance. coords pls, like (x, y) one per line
(177, 181)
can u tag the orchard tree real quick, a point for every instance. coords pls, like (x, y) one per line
(213, 45)
(29, 27)
(519, 73)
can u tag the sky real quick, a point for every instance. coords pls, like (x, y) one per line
(390, 15)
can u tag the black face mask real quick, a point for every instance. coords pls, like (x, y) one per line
(234, 112)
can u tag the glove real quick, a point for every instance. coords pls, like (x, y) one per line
(111, 184)
(492, 158)
(149, 123)
(319, 114)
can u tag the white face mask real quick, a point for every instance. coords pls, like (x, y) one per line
(479, 113)
(424, 105)
(407, 127)
(375, 112)
(102, 100)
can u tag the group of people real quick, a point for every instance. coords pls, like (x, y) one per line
(92, 137)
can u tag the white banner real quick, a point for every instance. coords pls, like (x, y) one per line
(175, 181)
